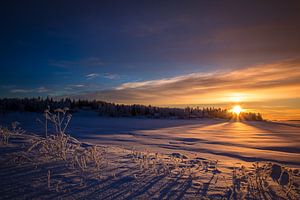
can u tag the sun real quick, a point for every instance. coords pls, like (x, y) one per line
(236, 109)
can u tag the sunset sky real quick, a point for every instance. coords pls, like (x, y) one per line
(166, 53)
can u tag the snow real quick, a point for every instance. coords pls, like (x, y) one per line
(158, 159)
(227, 140)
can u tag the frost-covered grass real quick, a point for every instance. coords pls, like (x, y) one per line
(56, 165)
(7, 133)
(226, 141)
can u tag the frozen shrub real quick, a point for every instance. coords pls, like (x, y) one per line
(60, 146)
(54, 145)
(5, 135)
(95, 156)
(16, 129)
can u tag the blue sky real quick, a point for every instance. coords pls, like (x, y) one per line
(62, 48)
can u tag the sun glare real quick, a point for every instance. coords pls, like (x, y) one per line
(237, 98)
(237, 109)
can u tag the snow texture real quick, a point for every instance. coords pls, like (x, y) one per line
(130, 158)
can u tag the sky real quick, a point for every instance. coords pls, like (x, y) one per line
(165, 53)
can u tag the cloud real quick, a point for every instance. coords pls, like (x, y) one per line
(20, 91)
(75, 87)
(33, 90)
(256, 83)
(78, 85)
(42, 90)
(104, 75)
(91, 76)
(111, 76)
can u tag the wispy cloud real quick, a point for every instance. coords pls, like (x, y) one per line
(32, 90)
(20, 91)
(103, 75)
(42, 90)
(78, 85)
(263, 82)
(111, 76)
(91, 76)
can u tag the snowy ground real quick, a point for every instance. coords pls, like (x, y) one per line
(157, 159)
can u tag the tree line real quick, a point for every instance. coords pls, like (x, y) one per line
(120, 110)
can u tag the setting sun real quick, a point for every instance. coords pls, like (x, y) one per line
(237, 109)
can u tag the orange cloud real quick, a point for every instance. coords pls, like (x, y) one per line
(267, 82)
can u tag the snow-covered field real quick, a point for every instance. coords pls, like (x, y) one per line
(156, 159)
